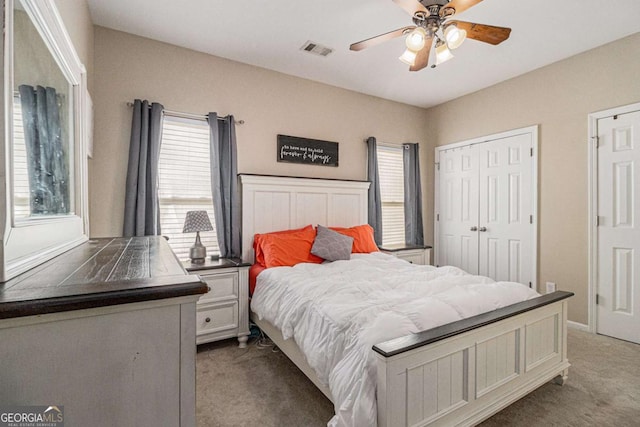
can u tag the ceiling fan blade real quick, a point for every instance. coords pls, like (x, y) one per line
(422, 58)
(461, 5)
(381, 38)
(411, 6)
(484, 33)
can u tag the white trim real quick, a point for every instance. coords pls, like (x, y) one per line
(592, 181)
(534, 132)
(578, 326)
(21, 265)
(48, 22)
(479, 140)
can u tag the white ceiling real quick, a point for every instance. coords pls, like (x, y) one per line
(269, 34)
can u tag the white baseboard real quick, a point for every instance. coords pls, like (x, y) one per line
(578, 326)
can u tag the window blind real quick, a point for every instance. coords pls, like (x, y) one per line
(21, 198)
(184, 182)
(390, 170)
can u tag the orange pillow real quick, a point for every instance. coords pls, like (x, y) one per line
(363, 242)
(289, 249)
(257, 241)
(254, 270)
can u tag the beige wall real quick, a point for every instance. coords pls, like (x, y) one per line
(77, 19)
(559, 98)
(129, 67)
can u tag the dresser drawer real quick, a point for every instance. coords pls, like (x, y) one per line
(414, 257)
(223, 312)
(218, 317)
(223, 287)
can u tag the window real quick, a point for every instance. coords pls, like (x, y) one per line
(390, 170)
(184, 182)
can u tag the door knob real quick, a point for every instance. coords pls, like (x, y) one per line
(474, 228)
(483, 229)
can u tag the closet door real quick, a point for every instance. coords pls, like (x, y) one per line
(485, 206)
(458, 206)
(506, 205)
(618, 238)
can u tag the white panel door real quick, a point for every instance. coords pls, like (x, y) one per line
(485, 207)
(458, 216)
(618, 231)
(506, 206)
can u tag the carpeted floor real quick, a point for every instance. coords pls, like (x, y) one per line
(259, 387)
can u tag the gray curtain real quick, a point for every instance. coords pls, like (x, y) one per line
(375, 201)
(224, 184)
(412, 196)
(141, 212)
(47, 157)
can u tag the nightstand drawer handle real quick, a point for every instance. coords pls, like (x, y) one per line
(208, 319)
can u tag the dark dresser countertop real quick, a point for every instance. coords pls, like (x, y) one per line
(98, 273)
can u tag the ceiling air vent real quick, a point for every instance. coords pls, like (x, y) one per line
(316, 48)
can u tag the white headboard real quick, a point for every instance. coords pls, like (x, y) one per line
(271, 203)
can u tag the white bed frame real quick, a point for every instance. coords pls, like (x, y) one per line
(458, 374)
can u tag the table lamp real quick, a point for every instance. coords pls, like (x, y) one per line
(197, 221)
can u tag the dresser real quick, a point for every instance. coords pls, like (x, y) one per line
(413, 254)
(104, 331)
(223, 312)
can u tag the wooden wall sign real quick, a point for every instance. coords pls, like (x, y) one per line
(292, 149)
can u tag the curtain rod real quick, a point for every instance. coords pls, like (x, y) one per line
(392, 144)
(188, 115)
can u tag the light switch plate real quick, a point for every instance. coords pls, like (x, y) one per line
(551, 287)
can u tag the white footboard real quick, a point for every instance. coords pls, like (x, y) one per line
(444, 377)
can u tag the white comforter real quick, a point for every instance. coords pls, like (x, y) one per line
(337, 311)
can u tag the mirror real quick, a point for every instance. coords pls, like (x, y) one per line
(43, 127)
(45, 101)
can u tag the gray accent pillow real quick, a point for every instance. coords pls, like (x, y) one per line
(331, 245)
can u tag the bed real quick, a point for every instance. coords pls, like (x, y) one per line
(457, 373)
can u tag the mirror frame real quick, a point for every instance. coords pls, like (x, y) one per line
(30, 242)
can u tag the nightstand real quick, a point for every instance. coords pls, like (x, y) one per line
(223, 312)
(413, 254)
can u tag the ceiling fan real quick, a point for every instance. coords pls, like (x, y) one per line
(432, 19)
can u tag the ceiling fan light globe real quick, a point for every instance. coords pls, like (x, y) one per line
(443, 54)
(416, 39)
(408, 57)
(454, 36)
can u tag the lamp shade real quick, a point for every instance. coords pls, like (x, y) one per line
(454, 36)
(443, 54)
(416, 39)
(408, 57)
(197, 221)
